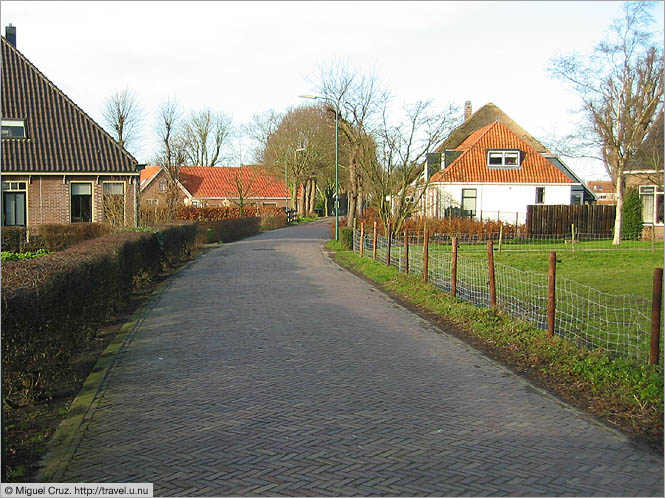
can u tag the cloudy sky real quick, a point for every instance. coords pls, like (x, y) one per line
(244, 58)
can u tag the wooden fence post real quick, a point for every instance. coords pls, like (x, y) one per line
(500, 235)
(374, 243)
(572, 242)
(425, 255)
(362, 238)
(551, 294)
(406, 252)
(390, 239)
(453, 269)
(654, 349)
(490, 266)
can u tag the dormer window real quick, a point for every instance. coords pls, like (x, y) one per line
(13, 128)
(504, 159)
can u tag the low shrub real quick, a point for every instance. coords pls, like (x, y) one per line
(56, 237)
(228, 230)
(346, 237)
(273, 221)
(176, 241)
(18, 256)
(53, 304)
(14, 239)
(631, 222)
(224, 213)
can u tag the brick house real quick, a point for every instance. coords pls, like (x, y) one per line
(58, 165)
(604, 191)
(201, 186)
(645, 172)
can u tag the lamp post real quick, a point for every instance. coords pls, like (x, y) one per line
(314, 97)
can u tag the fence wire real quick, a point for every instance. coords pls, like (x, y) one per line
(619, 324)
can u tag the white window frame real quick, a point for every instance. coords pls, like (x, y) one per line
(163, 186)
(503, 154)
(16, 187)
(475, 198)
(92, 200)
(14, 123)
(653, 191)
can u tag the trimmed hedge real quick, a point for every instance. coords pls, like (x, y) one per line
(51, 237)
(54, 304)
(224, 213)
(228, 230)
(272, 222)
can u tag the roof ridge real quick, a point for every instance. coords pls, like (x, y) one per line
(69, 100)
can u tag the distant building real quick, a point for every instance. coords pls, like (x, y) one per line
(604, 191)
(208, 186)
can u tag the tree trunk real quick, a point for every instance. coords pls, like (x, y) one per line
(618, 219)
(312, 197)
(301, 200)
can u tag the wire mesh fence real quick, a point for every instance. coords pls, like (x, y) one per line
(619, 324)
(571, 241)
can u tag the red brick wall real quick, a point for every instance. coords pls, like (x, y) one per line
(48, 199)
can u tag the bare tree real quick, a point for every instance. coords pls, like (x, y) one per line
(259, 129)
(359, 98)
(303, 147)
(204, 134)
(395, 175)
(621, 88)
(243, 180)
(172, 151)
(123, 115)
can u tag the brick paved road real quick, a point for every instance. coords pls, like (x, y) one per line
(264, 369)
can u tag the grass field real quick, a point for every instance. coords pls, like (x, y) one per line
(614, 272)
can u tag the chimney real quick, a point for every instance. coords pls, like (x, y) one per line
(467, 110)
(10, 34)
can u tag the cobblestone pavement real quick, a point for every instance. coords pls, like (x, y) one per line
(264, 369)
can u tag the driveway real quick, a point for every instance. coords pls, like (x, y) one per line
(265, 369)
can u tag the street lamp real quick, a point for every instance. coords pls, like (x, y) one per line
(314, 97)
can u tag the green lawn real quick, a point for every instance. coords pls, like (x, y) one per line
(614, 272)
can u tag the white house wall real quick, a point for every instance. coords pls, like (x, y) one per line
(501, 201)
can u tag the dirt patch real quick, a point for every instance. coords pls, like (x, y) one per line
(643, 430)
(29, 428)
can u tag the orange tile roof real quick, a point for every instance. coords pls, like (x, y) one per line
(148, 172)
(471, 165)
(206, 182)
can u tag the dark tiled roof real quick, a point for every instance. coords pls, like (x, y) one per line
(484, 116)
(60, 137)
(649, 156)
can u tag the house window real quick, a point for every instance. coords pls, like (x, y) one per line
(13, 128)
(13, 203)
(162, 185)
(469, 201)
(151, 202)
(113, 198)
(197, 204)
(652, 203)
(81, 202)
(575, 198)
(540, 195)
(503, 159)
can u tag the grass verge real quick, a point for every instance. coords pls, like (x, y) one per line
(618, 392)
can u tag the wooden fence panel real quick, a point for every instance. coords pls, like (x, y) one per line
(594, 219)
